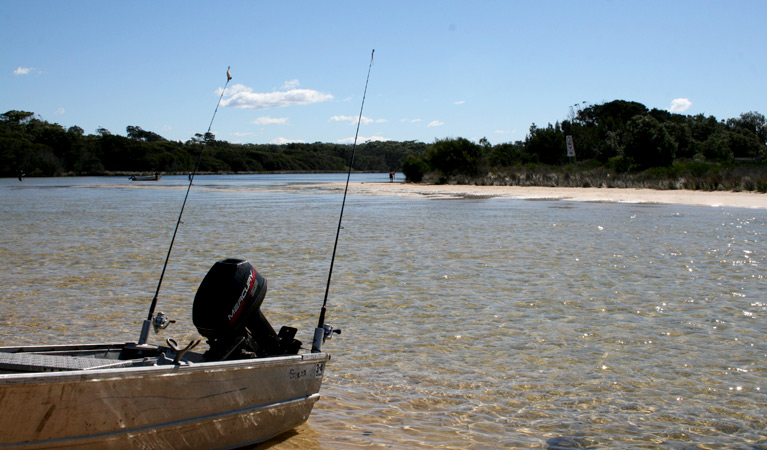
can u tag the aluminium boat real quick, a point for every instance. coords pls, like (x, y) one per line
(250, 385)
(155, 177)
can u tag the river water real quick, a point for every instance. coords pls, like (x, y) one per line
(472, 323)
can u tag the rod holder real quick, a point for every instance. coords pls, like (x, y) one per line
(144, 332)
(319, 338)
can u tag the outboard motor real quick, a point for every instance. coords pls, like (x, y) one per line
(227, 311)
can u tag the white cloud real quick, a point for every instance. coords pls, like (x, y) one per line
(435, 123)
(459, 102)
(352, 119)
(292, 84)
(241, 96)
(242, 133)
(360, 139)
(282, 140)
(501, 131)
(60, 112)
(679, 105)
(22, 71)
(266, 120)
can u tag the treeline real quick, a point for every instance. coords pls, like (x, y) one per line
(619, 143)
(38, 148)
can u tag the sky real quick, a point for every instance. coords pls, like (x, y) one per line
(442, 69)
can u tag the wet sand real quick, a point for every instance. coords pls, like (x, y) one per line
(651, 196)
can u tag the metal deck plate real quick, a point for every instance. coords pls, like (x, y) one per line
(32, 362)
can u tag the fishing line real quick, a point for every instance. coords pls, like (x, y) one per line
(320, 334)
(147, 322)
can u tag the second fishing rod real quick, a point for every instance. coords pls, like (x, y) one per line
(150, 317)
(323, 332)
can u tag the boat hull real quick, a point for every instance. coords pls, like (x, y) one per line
(146, 177)
(202, 405)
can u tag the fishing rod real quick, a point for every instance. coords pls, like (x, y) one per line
(322, 332)
(163, 321)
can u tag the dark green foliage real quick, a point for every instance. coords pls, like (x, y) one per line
(628, 137)
(753, 123)
(455, 156)
(596, 128)
(546, 144)
(611, 115)
(647, 143)
(508, 154)
(414, 168)
(619, 143)
(39, 148)
(17, 117)
(620, 164)
(715, 147)
(135, 132)
(681, 134)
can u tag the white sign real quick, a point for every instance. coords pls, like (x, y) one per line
(570, 146)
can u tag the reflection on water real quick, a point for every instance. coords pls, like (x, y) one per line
(467, 323)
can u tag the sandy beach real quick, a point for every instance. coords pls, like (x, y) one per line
(650, 196)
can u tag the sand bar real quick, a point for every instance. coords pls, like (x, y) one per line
(617, 195)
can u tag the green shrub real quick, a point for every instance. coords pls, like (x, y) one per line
(414, 168)
(620, 164)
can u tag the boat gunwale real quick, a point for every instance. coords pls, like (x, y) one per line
(131, 371)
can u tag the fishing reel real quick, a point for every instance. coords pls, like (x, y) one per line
(321, 335)
(161, 322)
(328, 332)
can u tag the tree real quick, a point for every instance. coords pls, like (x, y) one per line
(744, 144)
(548, 144)
(752, 122)
(611, 115)
(507, 154)
(17, 117)
(620, 135)
(748, 135)
(680, 132)
(716, 147)
(455, 156)
(648, 143)
(701, 127)
(414, 168)
(596, 124)
(136, 132)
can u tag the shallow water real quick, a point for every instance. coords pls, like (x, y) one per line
(467, 323)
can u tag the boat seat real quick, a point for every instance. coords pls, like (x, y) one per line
(35, 362)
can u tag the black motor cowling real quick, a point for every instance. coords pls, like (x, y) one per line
(227, 311)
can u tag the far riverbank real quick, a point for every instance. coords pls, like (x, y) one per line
(617, 195)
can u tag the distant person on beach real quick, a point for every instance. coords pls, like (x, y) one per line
(391, 177)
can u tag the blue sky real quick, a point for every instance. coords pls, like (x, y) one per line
(442, 68)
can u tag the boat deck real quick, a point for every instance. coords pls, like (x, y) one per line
(77, 357)
(34, 362)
